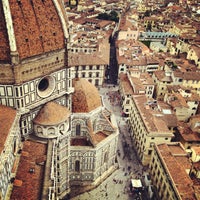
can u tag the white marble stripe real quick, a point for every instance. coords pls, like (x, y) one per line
(9, 25)
(62, 18)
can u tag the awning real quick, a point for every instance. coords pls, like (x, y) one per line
(136, 183)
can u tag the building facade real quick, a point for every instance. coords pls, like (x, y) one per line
(147, 127)
(34, 70)
(9, 147)
(36, 82)
(94, 137)
(169, 167)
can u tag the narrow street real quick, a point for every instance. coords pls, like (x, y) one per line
(117, 186)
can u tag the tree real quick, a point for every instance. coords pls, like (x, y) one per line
(104, 16)
(113, 16)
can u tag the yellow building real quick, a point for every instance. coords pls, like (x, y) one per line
(127, 31)
(162, 79)
(180, 29)
(169, 167)
(183, 101)
(194, 54)
(147, 127)
(142, 8)
(192, 79)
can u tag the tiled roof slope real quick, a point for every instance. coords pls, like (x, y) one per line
(51, 114)
(152, 120)
(4, 43)
(7, 117)
(187, 134)
(176, 157)
(86, 97)
(125, 83)
(37, 27)
(30, 172)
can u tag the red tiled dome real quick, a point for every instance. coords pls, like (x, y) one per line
(31, 28)
(86, 96)
(51, 114)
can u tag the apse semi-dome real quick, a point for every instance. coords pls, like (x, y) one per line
(51, 121)
(86, 96)
(29, 28)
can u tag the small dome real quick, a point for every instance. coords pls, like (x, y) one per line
(52, 114)
(86, 96)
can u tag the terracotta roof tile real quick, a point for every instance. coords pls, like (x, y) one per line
(125, 84)
(37, 27)
(174, 155)
(187, 134)
(151, 118)
(52, 113)
(86, 96)
(191, 76)
(161, 76)
(7, 117)
(30, 173)
(196, 150)
(80, 142)
(4, 43)
(98, 136)
(76, 59)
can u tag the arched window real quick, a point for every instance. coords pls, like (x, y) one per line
(77, 166)
(7, 169)
(105, 157)
(62, 127)
(39, 129)
(15, 146)
(78, 129)
(96, 82)
(51, 131)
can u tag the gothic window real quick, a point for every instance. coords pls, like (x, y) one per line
(105, 157)
(7, 168)
(51, 131)
(15, 146)
(78, 129)
(39, 129)
(77, 166)
(62, 128)
(17, 94)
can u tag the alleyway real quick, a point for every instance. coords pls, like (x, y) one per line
(117, 185)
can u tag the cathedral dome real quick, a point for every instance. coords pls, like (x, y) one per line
(51, 121)
(29, 28)
(86, 96)
(52, 114)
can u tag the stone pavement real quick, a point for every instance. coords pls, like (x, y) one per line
(116, 186)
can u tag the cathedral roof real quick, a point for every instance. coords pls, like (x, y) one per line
(7, 116)
(31, 27)
(52, 114)
(86, 96)
(29, 177)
